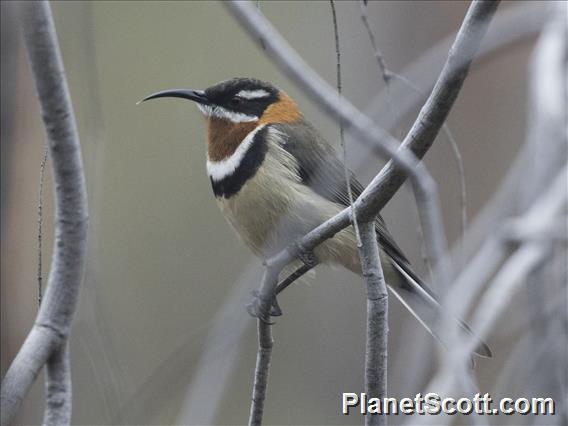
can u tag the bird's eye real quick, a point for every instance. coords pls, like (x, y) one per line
(235, 101)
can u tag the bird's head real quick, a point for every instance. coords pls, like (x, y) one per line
(234, 109)
(239, 100)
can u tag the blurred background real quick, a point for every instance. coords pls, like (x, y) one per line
(161, 335)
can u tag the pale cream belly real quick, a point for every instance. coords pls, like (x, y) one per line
(268, 220)
(273, 210)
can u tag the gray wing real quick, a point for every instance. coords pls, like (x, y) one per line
(323, 172)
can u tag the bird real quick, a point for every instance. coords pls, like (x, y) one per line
(275, 178)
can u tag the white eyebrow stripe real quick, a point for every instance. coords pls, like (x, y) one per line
(218, 170)
(220, 112)
(253, 94)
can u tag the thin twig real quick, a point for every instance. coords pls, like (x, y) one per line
(45, 344)
(341, 129)
(511, 26)
(461, 174)
(39, 227)
(265, 344)
(456, 153)
(385, 73)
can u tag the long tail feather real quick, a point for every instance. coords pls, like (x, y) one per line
(426, 309)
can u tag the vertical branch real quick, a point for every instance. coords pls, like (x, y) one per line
(265, 342)
(341, 128)
(385, 73)
(46, 342)
(58, 389)
(377, 320)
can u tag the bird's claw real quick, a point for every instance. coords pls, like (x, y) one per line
(257, 308)
(275, 310)
(308, 258)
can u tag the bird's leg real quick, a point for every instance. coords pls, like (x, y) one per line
(282, 285)
(254, 308)
(261, 306)
(309, 261)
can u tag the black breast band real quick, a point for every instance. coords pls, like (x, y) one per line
(253, 158)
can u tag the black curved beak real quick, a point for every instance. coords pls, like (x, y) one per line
(193, 95)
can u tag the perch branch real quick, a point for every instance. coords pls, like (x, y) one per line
(265, 343)
(46, 342)
(376, 354)
(58, 388)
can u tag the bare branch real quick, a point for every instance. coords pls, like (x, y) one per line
(341, 129)
(376, 345)
(53, 322)
(58, 389)
(385, 73)
(265, 344)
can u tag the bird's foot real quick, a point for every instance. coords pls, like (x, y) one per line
(308, 258)
(260, 308)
